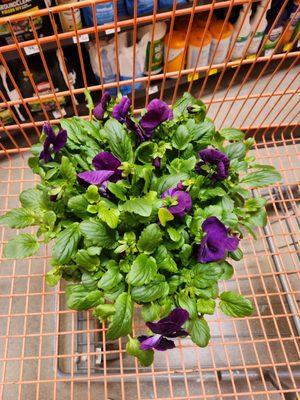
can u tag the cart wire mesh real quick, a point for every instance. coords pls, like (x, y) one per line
(50, 352)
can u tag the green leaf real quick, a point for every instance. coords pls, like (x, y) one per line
(98, 233)
(143, 270)
(232, 134)
(110, 279)
(108, 215)
(181, 138)
(199, 332)
(118, 140)
(181, 104)
(206, 306)
(174, 234)
(32, 198)
(67, 170)
(164, 260)
(236, 255)
(118, 190)
(235, 305)
(167, 181)
(206, 274)
(79, 298)
(203, 132)
(185, 302)
(66, 243)
(151, 292)
(78, 205)
(103, 311)
(145, 357)
(49, 219)
(150, 238)
(21, 246)
(144, 152)
(164, 216)
(205, 194)
(227, 270)
(236, 151)
(185, 254)
(121, 323)
(255, 203)
(138, 205)
(179, 165)
(89, 281)
(19, 218)
(261, 178)
(89, 100)
(84, 259)
(150, 311)
(53, 276)
(92, 194)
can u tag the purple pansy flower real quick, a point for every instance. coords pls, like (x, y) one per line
(216, 242)
(121, 109)
(157, 112)
(156, 162)
(106, 165)
(52, 141)
(215, 158)
(168, 327)
(184, 201)
(101, 107)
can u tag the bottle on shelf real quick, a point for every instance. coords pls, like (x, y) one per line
(273, 36)
(291, 24)
(241, 33)
(221, 38)
(258, 25)
(198, 41)
(174, 56)
(68, 23)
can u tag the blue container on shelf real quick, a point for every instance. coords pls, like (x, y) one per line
(168, 4)
(121, 7)
(143, 7)
(104, 14)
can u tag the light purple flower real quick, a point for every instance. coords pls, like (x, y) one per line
(157, 112)
(106, 165)
(218, 160)
(216, 242)
(184, 201)
(121, 109)
(52, 141)
(168, 327)
(101, 107)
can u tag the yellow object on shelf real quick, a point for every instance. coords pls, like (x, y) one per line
(199, 40)
(173, 57)
(220, 33)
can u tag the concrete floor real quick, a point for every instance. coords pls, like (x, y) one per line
(43, 346)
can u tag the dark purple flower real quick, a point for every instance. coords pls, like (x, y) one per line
(168, 327)
(121, 109)
(106, 165)
(157, 112)
(101, 107)
(156, 162)
(216, 242)
(218, 160)
(184, 201)
(52, 141)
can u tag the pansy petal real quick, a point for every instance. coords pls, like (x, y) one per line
(156, 104)
(164, 344)
(94, 177)
(213, 223)
(49, 132)
(101, 107)
(150, 342)
(121, 109)
(60, 140)
(178, 333)
(178, 316)
(135, 128)
(208, 253)
(106, 161)
(163, 328)
(231, 243)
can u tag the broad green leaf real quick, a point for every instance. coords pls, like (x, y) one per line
(49, 219)
(185, 254)
(164, 216)
(151, 292)
(121, 323)
(167, 181)
(181, 138)
(206, 306)
(66, 243)
(143, 270)
(232, 134)
(203, 132)
(21, 246)
(206, 274)
(78, 205)
(92, 194)
(164, 260)
(79, 298)
(261, 178)
(90, 280)
(179, 165)
(138, 205)
(103, 311)
(84, 259)
(236, 151)
(118, 140)
(181, 104)
(53, 276)
(73, 130)
(145, 357)
(19, 218)
(150, 238)
(32, 198)
(151, 311)
(211, 292)
(259, 218)
(205, 194)
(114, 293)
(118, 190)
(199, 332)
(67, 170)
(174, 234)
(144, 152)
(236, 255)
(227, 203)
(255, 203)
(98, 233)
(188, 304)
(227, 270)
(108, 215)
(235, 305)
(110, 279)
